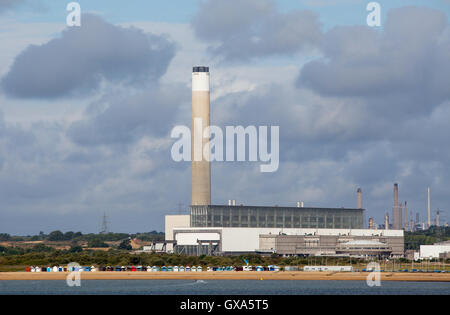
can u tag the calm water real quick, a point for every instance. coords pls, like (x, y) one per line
(219, 287)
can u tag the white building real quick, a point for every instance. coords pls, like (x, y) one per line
(433, 251)
(237, 240)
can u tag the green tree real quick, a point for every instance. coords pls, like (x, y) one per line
(56, 236)
(75, 249)
(97, 243)
(125, 244)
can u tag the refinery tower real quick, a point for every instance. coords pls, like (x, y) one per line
(201, 170)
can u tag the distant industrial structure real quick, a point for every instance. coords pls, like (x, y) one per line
(298, 231)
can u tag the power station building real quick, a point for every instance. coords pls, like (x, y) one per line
(236, 229)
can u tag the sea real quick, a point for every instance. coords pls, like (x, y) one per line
(221, 287)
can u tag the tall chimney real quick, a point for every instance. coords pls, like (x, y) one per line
(386, 221)
(395, 216)
(201, 170)
(405, 219)
(400, 216)
(429, 209)
(359, 192)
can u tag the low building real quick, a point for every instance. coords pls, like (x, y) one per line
(353, 243)
(289, 242)
(433, 251)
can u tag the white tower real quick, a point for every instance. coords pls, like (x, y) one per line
(201, 170)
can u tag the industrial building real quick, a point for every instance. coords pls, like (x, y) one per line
(435, 251)
(275, 217)
(237, 229)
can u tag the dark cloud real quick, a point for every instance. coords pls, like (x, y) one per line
(254, 28)
(48, 183)
(127, 118)
(402, 70)
(83, 56)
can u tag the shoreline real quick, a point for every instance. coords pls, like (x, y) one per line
(240, 275)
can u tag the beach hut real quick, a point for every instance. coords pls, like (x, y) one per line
(133, 268)
(209, 268)
(187, 269)
(163, 268)
(60, 269)
(175, 269)
(181, 269)
(38, 269)
(49, 269)
(33, 269)
(259, 268)
(55, 269)
(199, 269)
(93, 269)
(123, 268)
(155, 268)
(27, 269)
(170, 268)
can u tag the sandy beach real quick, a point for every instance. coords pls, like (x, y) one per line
(266, 275)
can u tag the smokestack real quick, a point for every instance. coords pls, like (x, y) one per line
(359, 192)
(400, 216)
(395, 223)
(386, 221)
(371, 224)
(429, 209)
(405, 219)
(438, 218)
(201, 170)
(411, 222)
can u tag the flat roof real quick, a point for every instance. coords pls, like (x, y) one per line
(277, 207)
(263, 231)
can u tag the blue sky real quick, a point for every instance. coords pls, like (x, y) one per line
(346, 12)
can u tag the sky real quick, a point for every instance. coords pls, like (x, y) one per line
(86, 112)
